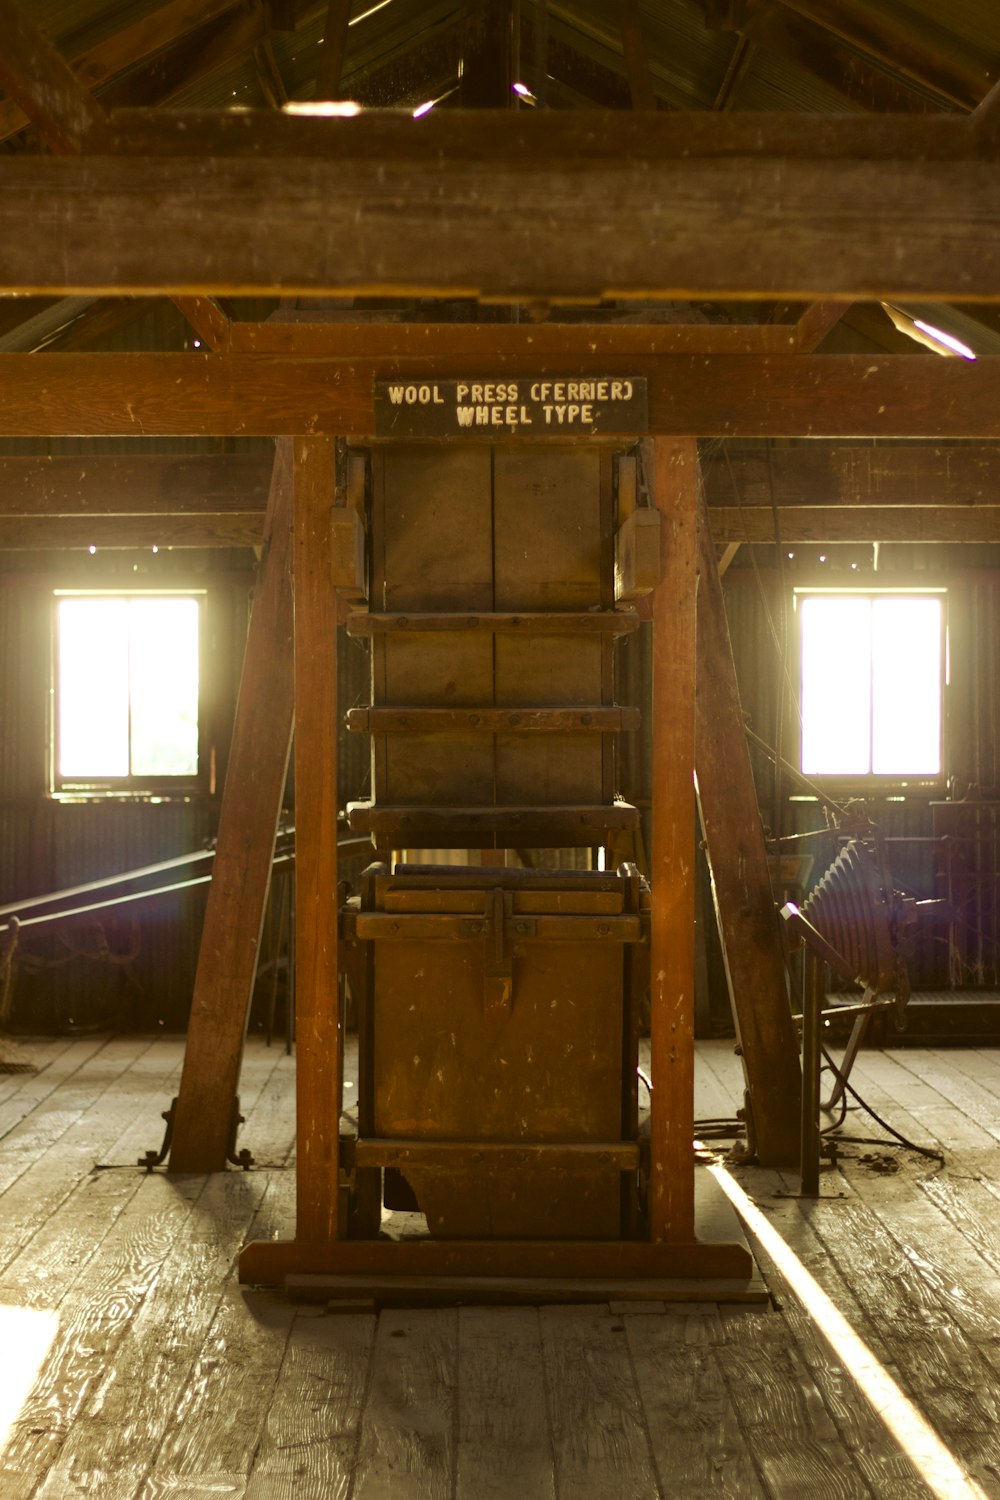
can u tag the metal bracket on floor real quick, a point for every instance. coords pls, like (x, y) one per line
(154, 1158)
(242, 1158)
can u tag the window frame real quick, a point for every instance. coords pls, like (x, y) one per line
(130, 788)
(881, 783)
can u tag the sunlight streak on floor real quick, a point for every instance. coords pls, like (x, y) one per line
(936, 1464)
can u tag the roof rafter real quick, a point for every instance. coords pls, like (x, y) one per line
(925, 52)
(856, 77)
(167, 51)
(34, 73)
(640, 80)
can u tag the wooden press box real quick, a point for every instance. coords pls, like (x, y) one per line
(498, 1031)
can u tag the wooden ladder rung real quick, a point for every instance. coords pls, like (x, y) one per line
(595, 622)
(550, 719)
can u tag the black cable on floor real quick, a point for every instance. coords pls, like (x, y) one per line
(902, 1139)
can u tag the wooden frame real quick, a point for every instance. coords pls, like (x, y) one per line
(320, 1246)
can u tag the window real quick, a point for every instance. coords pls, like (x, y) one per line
(126, 692)
(872, 679)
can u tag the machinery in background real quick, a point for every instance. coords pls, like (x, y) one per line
(858, 924)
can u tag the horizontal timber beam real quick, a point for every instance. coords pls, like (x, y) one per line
(151, 484)
(799, 525)
(795, 395)
(497, 136)
(823, 474)
(728, 524)
(855, 523)
(508, 205)
(823, 492)
(328, 340)
(36, 533)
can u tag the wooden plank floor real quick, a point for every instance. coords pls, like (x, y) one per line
(159, 1378)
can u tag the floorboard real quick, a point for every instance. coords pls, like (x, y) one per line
(407, 1446)
(310, 1439)
(600, 1436)
(504, 1446)
(165, 1380)
(217, 1428)
(698, 1445)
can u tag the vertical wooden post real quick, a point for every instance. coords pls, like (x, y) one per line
(318, 1038)
(741, 886)
(248, 821)
(672, 861)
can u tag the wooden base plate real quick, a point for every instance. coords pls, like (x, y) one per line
(715, 1265)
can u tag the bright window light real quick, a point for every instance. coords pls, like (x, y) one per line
(126, 687)
(871, 683)
(27, 1334)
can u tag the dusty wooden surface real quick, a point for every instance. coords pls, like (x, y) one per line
(164, 1378)
(869, 207)
(714, 395)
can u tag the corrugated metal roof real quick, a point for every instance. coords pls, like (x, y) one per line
(688, 53)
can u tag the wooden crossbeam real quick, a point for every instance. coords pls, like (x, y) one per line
(327, 340)
(102, 485)
(815, 323)
(855, 523)
(834, 474)
(125, 501)
(494, 139)
(822, 474)
(729, 526)
(70, 120)
(36, 76)
(209, 320)
(483, 204)
(242, 529)
(823, 493)
(125, 49)
(156, 395)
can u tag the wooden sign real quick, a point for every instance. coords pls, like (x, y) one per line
(543, 406)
